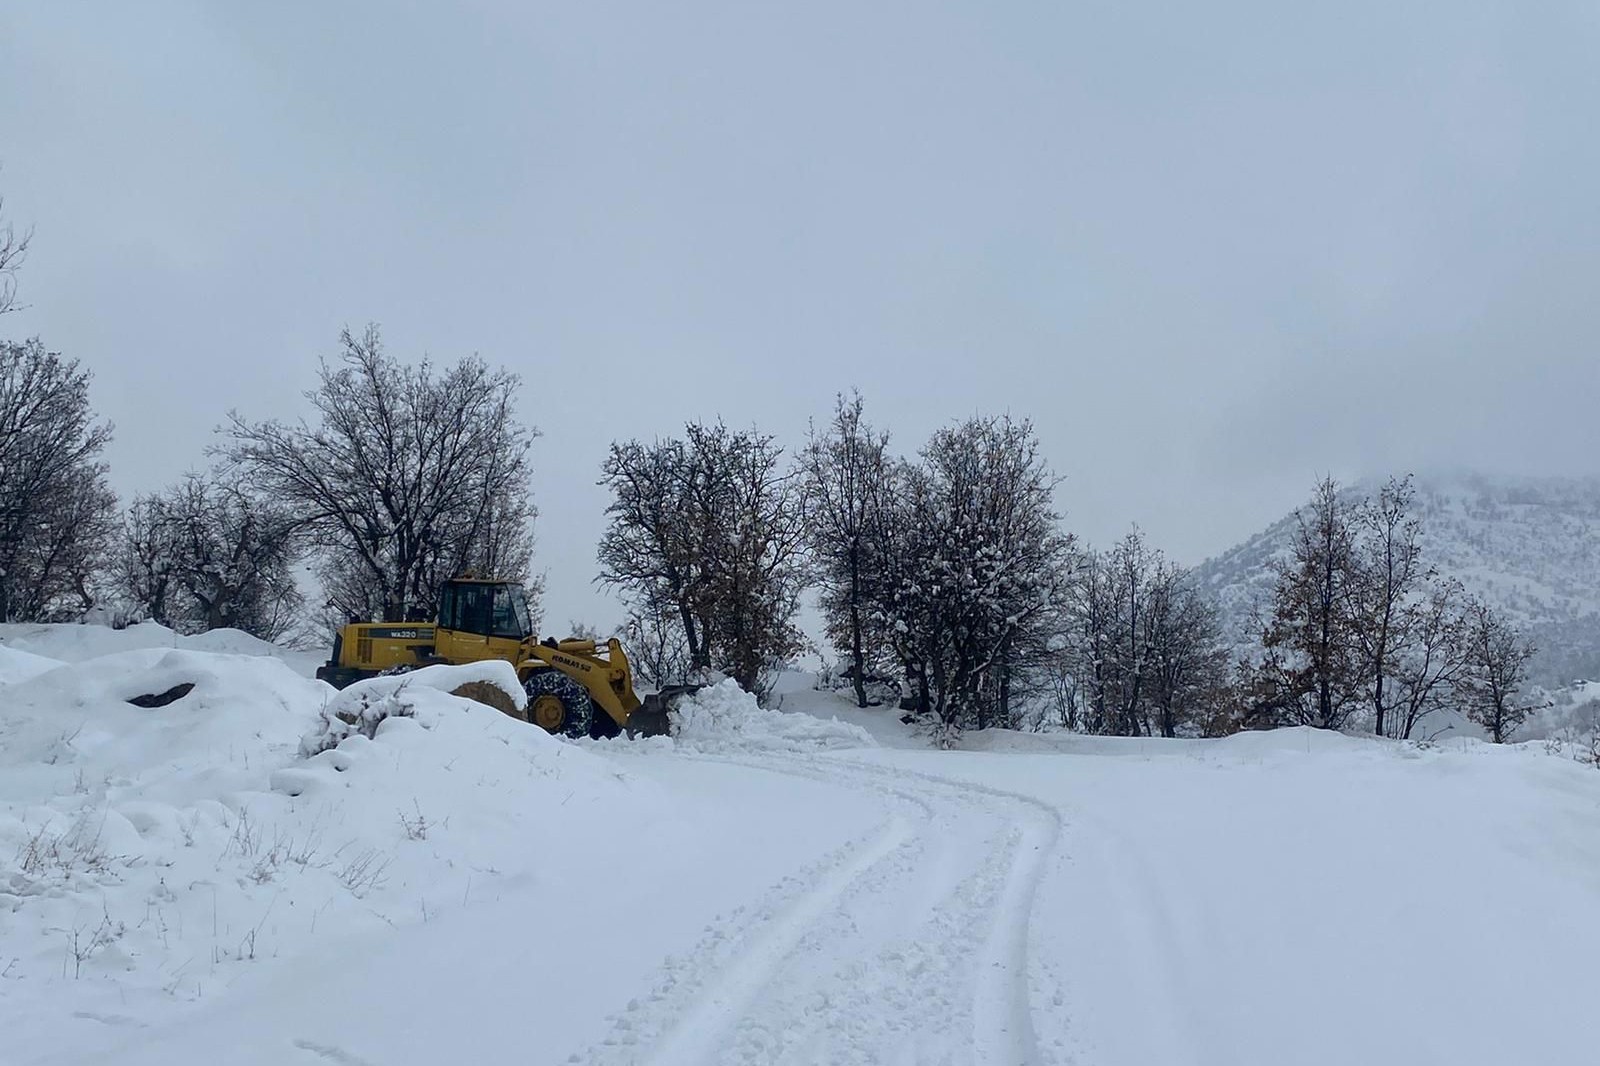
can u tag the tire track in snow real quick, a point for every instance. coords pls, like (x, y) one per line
(337, 1055)
(817, 987)
(906, 1001)
(1003, 1029)
(697, 997)
(1003, 1013)
(720, 1002)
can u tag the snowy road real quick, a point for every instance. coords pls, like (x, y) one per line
(780, 891)
(909, 944)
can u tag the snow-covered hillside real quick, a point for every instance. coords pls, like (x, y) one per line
(1530, 546)
(263, 871)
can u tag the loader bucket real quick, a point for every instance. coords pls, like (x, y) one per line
(653, 717)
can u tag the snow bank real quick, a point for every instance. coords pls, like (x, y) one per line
(70, 732)
(18, 665)
(148, 854)
(1013, 741)
(1298, 740)
(230, 642)
(497, 672)
(361, 708)
(723, 718)
(73, 643)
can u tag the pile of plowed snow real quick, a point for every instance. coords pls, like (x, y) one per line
(148, 853)
(724, 719)
(18, 665)
(78, 643)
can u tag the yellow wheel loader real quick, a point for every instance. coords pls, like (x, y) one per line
(566, 681)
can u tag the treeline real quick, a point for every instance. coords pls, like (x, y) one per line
(950, 573)
(1362, 630)
(402, 477)
(947, 573)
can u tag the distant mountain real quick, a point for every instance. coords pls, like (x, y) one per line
(1530, 546)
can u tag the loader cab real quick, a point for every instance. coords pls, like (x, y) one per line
(482, 620)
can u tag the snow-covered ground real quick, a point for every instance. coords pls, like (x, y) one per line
(264, 871)
(77, 643)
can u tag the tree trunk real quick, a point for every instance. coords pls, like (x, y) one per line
(697, 658)
(857, 656)
(1005, 697)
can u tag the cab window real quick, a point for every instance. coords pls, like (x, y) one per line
(511, 613)
(466, 608)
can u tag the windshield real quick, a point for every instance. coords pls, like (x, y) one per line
(511, 615)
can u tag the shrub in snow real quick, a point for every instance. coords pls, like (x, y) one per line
(56, 855)
(881, 689)
(361, 714)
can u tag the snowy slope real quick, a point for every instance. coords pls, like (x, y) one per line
(1529, 546)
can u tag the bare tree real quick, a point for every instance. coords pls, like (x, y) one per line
(1145, 644)
(656, 641)
(13, 249)
(1433, 660)
(757, 568)
(845, 475)
(1187, 661)
(145, 561)
(1095, 602)
(1386, 568)
(709, 529)
(208, 554)
(1064, 693)
(981, 565)
(57, 514)
(656, 550)
(405, 478)
(1314, 665)
(901, 545)
(1131, 567)
(1497, 669)
(584, 631)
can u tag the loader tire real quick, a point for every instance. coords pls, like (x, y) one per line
(558, 704)
(603, 727)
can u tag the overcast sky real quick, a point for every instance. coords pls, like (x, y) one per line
(1210, 250)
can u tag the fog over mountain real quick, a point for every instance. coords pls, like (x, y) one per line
(1528, 545)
